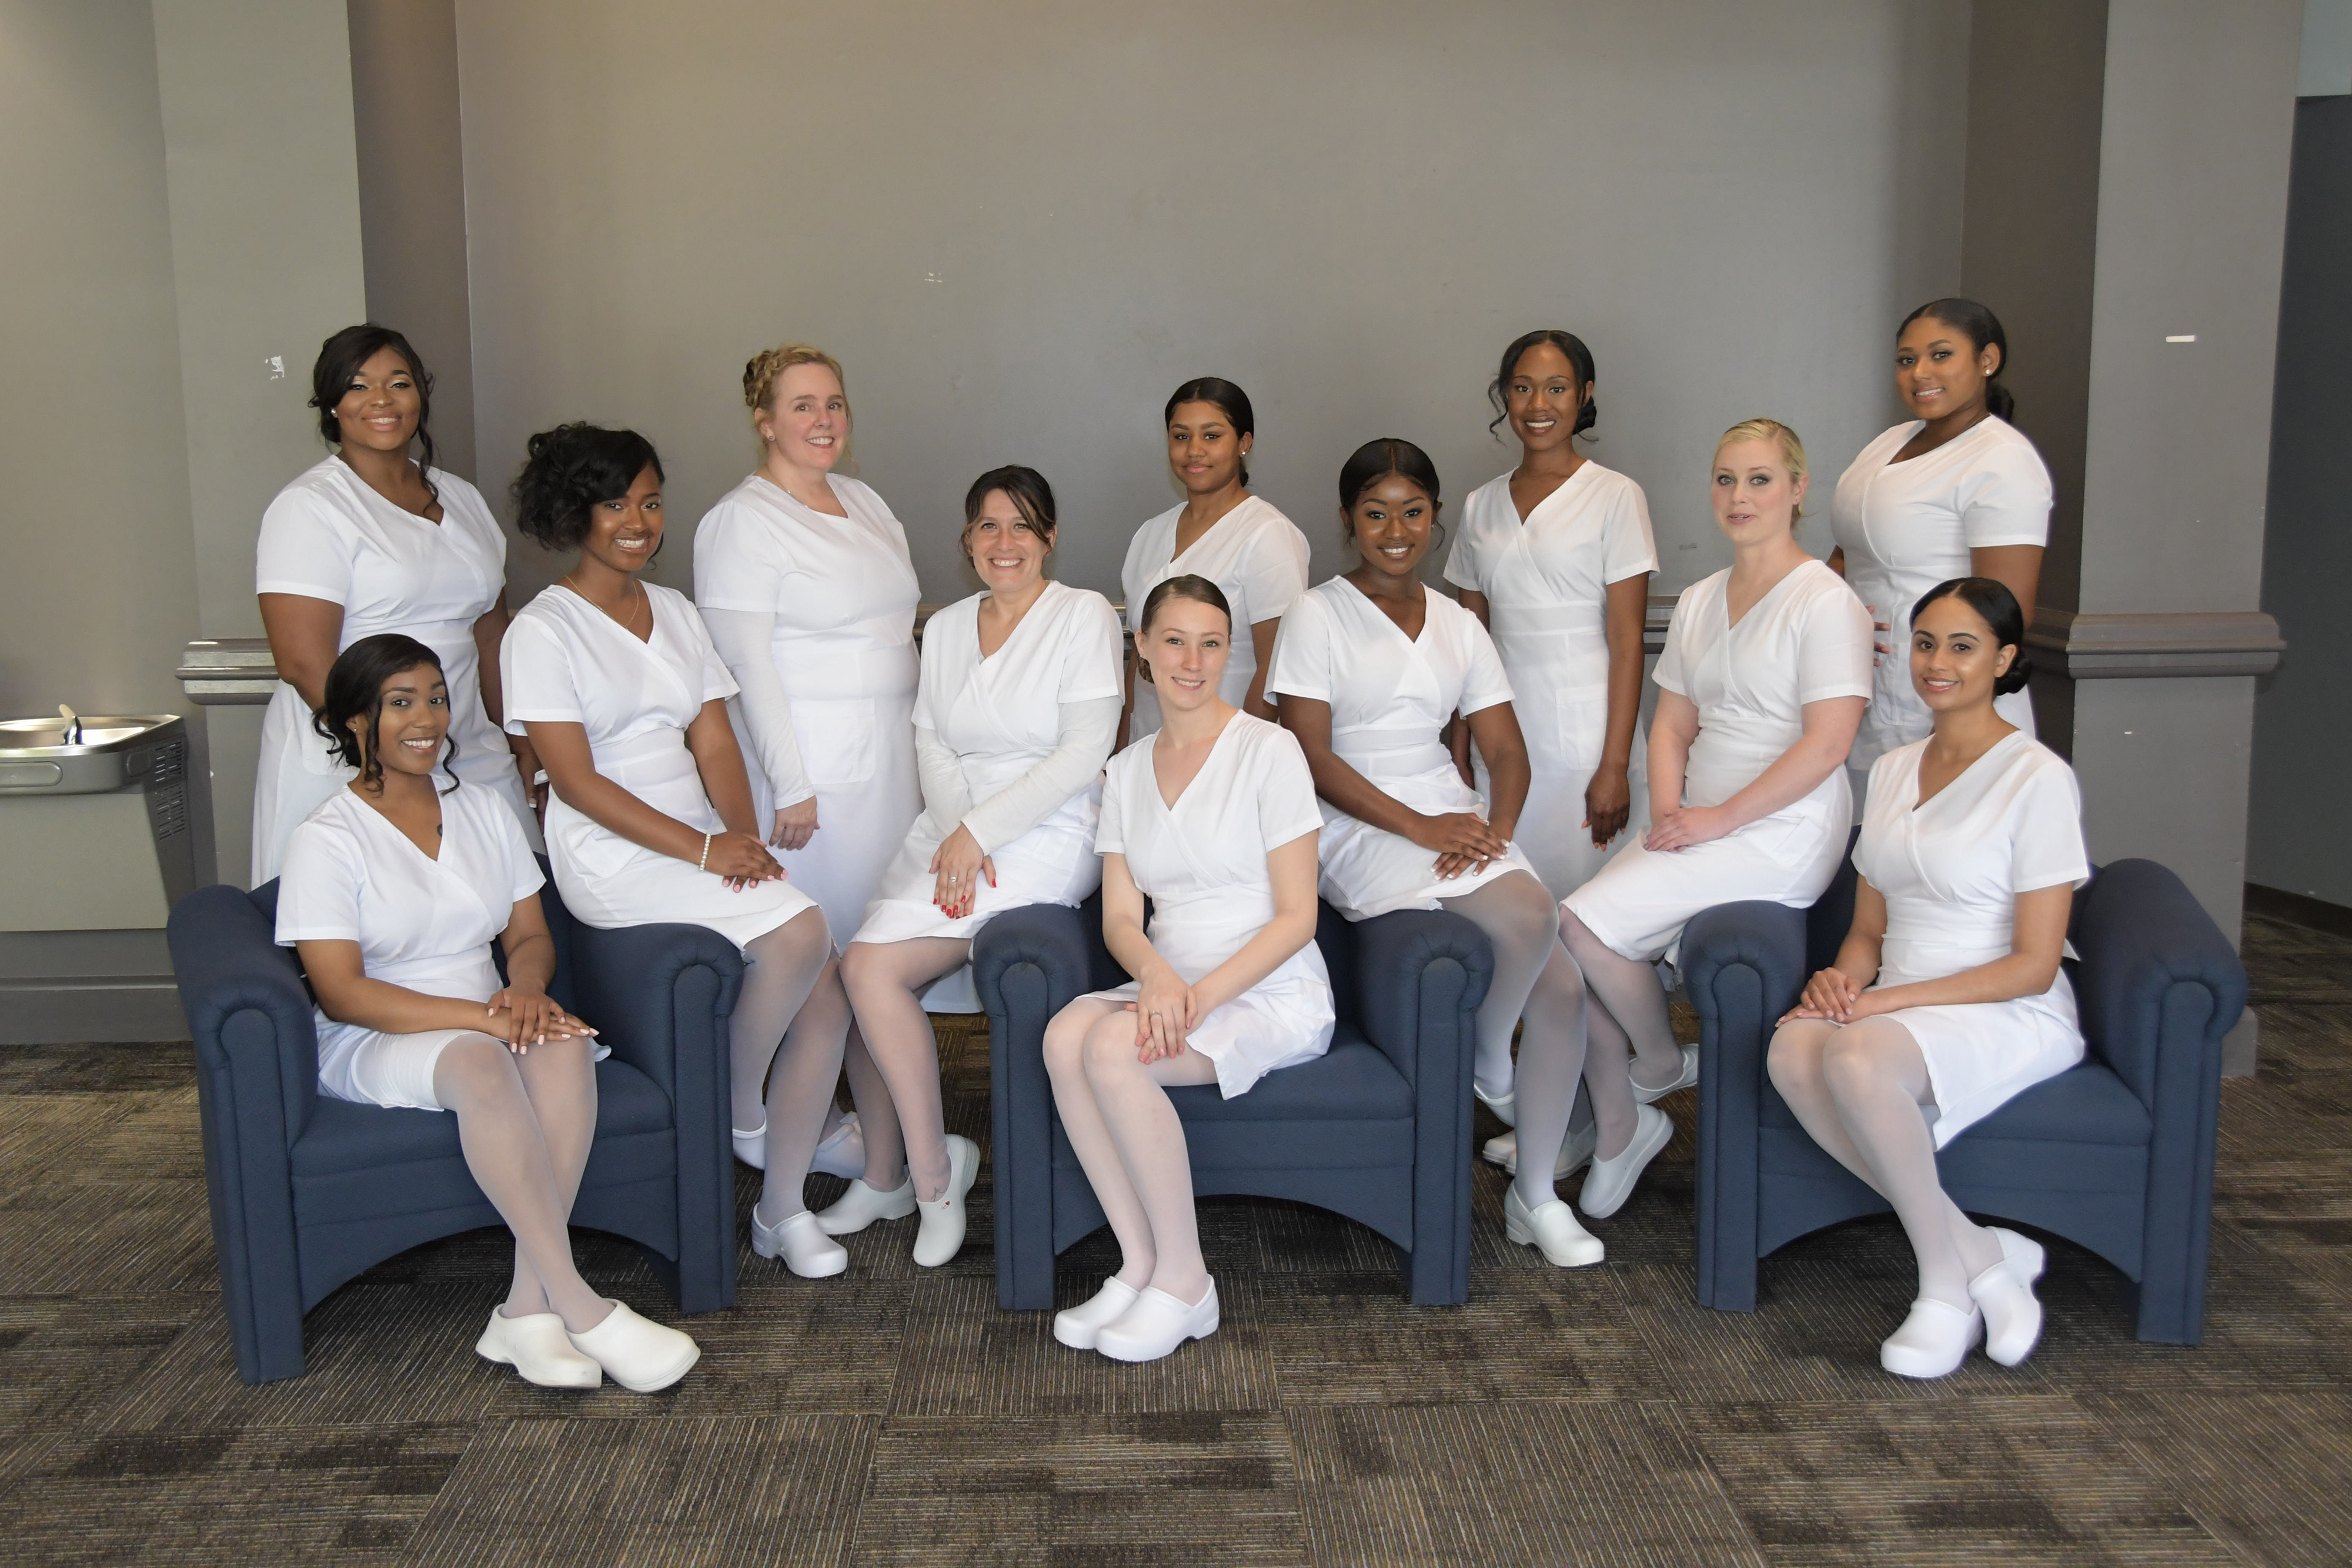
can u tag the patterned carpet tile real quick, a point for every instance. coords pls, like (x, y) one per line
(105, 1238)
(61, 1354)
(2263, 1472)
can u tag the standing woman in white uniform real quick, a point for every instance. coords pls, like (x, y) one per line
(369, 541)
(1013, 719)
(1957, 491)
(616, 683)
(1370, 670)
(1255, 556)
(392, 889)
(1948, 1000)
(1555, 557)
(1764, 677)
(803, 576)
(1214, 818)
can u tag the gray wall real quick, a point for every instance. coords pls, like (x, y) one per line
(1020, 225)
(2297, 837)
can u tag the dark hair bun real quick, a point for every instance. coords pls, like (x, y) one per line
(354, 689)
(567, 471)
(2013, 679)
(1997, 608)
(1231, 399)
(1580, 360)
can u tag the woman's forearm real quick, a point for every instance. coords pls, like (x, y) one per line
(2005, 980)
(1794, 774)
(1261, 956)
(395, 1010)
(531, 963)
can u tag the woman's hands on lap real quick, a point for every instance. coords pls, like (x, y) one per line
(525, 1016)
(1688, 826)
(795, 825)
(958, 866)
(1165, 1011)
(1834, 995)
(742, 860)
(1462, 840)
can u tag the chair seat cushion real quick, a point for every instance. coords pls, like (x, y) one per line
(2084, 1104)
(343, 1136)
(1354, 1082)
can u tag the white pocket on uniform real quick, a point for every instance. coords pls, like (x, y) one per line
(838, 746)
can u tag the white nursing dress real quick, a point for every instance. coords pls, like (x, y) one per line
(1907, 527)
(1806, 640)
(423, 924)
(1951, 870)
(329, 536)
(1546, 585)
(842, 591)
(1390, 695)
(567, 662)
(1202, 861)
(1253, 554)
(1000, 715)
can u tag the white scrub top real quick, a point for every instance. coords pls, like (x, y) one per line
(329, 536)
(1806, 640)
(1000, 715)
(1257, 559)
(1951, 870)
(1547, 585)
(842, 591)
(1907, 527)
(567, 662)
(1202, 861)
(424, 925)
(1390, 695)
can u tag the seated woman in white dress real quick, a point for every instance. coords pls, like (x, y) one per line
(392, 891)
(617, 683)
(1369, 669)
(1764, 677)
(1014, 715)
(1212, 819)
(1947, 999)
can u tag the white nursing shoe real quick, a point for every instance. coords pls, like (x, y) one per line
(940, 1236)
(1078, 1327)
(535, 1345)
(806, 1248)
(1504, 1105)
(843, 1152)
(1611, 1182)
(1157, 1324)
(2004, 1293)
(1933, 1341)
(638, 1355)
(861, 1206)
(1643, 1096)
(1575, 1152)
(751, 1148)
(1551, 1229)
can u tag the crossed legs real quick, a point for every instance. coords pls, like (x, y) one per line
(785, 1048)
(885, 982)
(1125, 1131)
(1628, 1027)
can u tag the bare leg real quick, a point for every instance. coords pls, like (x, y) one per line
(877, 1115)
(479, 1080)
(885, 982)
(1090, 1139)
(1629, 1024)
(1143, 1124)
(560, 1079)
(800, 1093)
(1521, 922)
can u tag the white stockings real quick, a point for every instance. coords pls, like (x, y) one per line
(885, 982)
(1629, 1026)
(785, 1048)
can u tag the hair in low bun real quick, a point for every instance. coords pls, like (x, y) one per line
(1980, 327)
(1997, 608)
(1189, 585)
(1580, 360)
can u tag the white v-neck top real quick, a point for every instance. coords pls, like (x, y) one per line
(1257, 559)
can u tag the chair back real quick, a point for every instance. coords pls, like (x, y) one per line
(1831, 916)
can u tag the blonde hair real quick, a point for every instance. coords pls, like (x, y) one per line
(1792, 450)
(764, 370)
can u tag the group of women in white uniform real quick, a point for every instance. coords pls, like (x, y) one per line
(775, 761)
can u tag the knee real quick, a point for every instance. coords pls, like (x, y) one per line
(1110, 1050)
(474, 1067)
(1066, 1040)
(1848, 1064)
(1792, 1059)
(857, 967)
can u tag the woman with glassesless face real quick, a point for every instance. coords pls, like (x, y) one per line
(372, 540)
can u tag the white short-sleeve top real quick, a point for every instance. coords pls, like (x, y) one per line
(1257, 559)
(1905, 527)
(1806, 640)
(1002, 714)
(1391, 694)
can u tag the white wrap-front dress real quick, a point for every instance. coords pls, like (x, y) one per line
(1001, 716)
(1806, 640)
(329, 536)
(1390, 695)
(842, 591)
(1257, 559)
(422, 922)
(1202, 861)
(1547, 583)
(1951, 869)
(1907, 527)
(566, 662)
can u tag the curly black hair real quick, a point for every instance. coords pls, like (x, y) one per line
(570, 468)
(355, 689)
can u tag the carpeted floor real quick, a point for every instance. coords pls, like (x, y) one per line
(896, 1415)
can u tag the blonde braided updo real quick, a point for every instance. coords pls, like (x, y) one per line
(764, 370)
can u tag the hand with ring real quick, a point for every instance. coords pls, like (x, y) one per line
(956, 869)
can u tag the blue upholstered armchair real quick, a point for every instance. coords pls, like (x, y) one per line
(307, 1192)
(2116, 1154)
(1377, 1130)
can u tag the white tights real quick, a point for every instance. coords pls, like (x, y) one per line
(785, 1050)
(1628, 1026)
(885, 982)
(1125, 1134)
(1859, 1090)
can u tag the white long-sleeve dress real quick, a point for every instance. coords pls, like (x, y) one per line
(329, 536)
(1390, 695)
(1257, 559)
(837, 722)
(566, 662)
(1951, 869)
(1547, 581)
(1806, 640)
(1202, 861)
